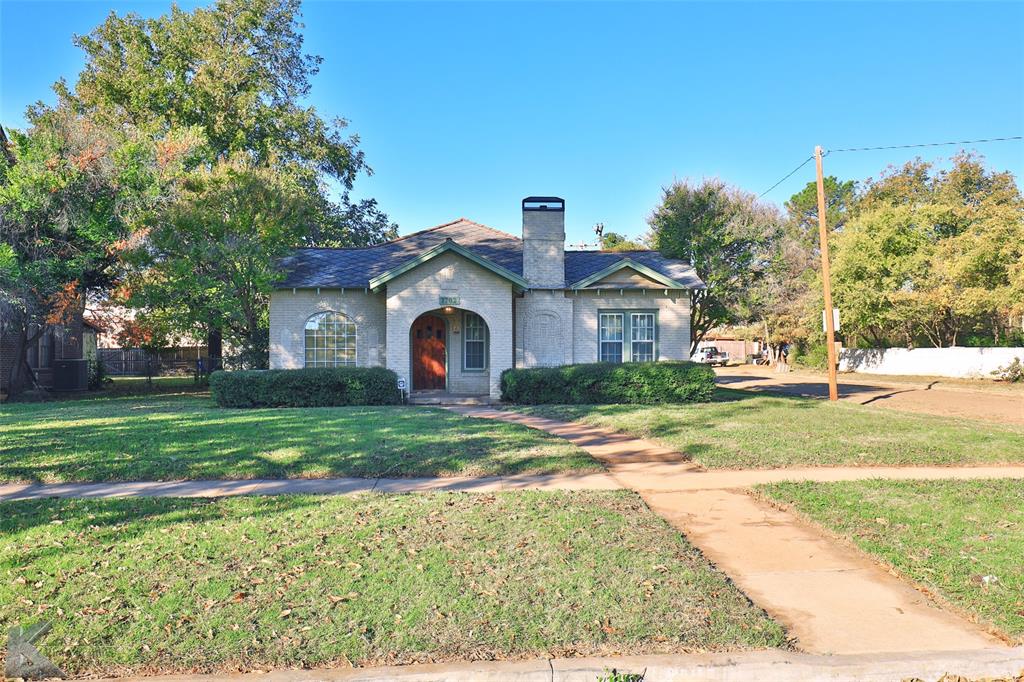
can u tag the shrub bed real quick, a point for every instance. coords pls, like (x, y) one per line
(319, 387)
(643, 383)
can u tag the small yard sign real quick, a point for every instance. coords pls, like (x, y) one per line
(450, 300)
(835, 319)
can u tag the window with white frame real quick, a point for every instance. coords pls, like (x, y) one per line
(641, 327)
(627, 336)
(610, 337)
(330, 340)
(474, 342)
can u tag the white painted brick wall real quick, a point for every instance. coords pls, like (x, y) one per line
(481, 291)
(551, 327)
(544, 248)
(544, 325)
(673, 321)
(289, 312)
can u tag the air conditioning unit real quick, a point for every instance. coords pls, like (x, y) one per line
(70, 375)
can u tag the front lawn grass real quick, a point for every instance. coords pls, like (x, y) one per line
(184, 436)
(162, 585)
(745, 430)
(962, 539)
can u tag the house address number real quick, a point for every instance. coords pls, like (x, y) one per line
(450, 300)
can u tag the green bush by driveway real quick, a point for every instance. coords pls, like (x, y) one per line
(163, 585)
(166, 437)
(312, 387)
(603, 382)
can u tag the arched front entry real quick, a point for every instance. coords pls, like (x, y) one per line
(429, 353)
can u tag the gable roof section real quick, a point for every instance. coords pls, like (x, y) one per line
(445, 247)
(582, 266)
(337, 268)
(355, 268)
(628, 264)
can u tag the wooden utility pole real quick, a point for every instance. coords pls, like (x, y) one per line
(826, 278)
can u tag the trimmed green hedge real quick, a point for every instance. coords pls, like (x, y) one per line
(643, 383)
(313, 387)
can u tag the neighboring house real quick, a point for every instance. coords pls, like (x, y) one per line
(57, 342)
(451, 307)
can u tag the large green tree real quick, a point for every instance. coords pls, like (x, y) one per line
(235, 72)
(931, 254)
(208, 258)
(613, 241)
(726, 234)
(789, 298)
(70, 190)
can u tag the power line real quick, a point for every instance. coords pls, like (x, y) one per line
(787, 176)
(926, 144)
(894, 146)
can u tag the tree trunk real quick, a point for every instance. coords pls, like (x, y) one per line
(214, 348)
(21, 376)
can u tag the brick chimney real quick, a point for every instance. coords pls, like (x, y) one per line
(544, 242)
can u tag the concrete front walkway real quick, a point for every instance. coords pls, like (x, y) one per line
(831, 598)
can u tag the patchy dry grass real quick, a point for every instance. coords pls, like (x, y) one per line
(147, 585)
(964, 539)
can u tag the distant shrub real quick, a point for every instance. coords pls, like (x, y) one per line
(1013, 372)
(643, 383)
(98, 377)
(814, 357)
(311, 387)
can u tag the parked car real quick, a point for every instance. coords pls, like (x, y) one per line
(710, 355)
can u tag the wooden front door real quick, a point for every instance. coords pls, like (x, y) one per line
(428, 353)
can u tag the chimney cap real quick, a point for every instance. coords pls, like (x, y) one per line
(543, 204)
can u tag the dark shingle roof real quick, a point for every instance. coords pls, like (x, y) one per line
(582, 264)
(336, 268)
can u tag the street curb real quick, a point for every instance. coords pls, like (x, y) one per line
(777, 666)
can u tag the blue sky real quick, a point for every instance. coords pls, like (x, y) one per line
(463, 109)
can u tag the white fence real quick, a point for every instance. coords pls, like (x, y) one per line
(966, 363)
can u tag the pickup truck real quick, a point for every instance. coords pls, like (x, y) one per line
(711, 356)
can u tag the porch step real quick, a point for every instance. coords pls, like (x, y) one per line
(440, 398)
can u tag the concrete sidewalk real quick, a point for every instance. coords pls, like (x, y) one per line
(750, 666)
(308, 486)
(831, 598)
(657, 476)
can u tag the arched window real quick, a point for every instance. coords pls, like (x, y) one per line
(330, 340)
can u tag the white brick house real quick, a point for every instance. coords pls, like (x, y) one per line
(449, 308)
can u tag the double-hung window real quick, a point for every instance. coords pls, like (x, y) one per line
(611, 337)
(641, 326)
(627, 336)
(474, 339)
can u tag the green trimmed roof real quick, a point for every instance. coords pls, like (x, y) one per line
(629, 263)
(445, 247)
